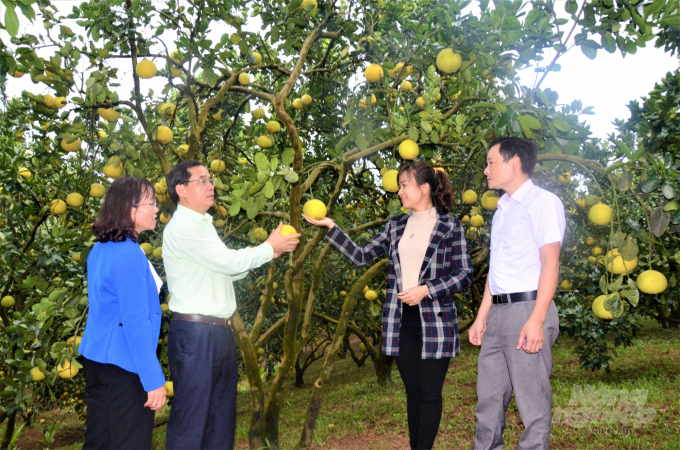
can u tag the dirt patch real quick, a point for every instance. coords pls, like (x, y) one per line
(31, 439)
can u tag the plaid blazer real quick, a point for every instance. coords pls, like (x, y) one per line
(446, 269)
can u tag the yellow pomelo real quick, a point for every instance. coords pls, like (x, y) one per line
(437, 97)
(652, 282)
(24, 172)
(101, 134)
(600, 214)
(176, 56)
(596, 251)
(165, 307)
(316, 209)
(309, 5)
(222, 211)
(49, 101)
(469, 197)
(37, 374)
(97, 190)
(373, 73)
(57, 207)
(66, 370)
(564, 179)
(490, 200)
(72, 147)
(108, 114)
(75, 199)
(420, 103)
(219, 115)
(73, 341)
(167, 109)
(260, 234)
(370, 295)
(176, 71)
(406, 86)
(244, 79)
(169, 389)
(158, 252)
(390, 182)
(147, 248)
(287, 230)
(565, 284)
(218, 166)
(60, 102)
(448, 61)
(113, 172)
(364, 290)
(599, 310)
(306, 99)
(182, 149)
(165, 218)
(297, 103)
(476, 221)
(592, 259)
(582, 203)
(257, 57)
(258, 113)
(76, 257)
(590, 240)
(591, 201)
(7, 301)
(397, 70)
(273, 126)
(146, 69)
(383, 170)
(465, 219)
(408, 149)
(615, 264)
(472, 233)
(219, 223)
(161, 187)
(164, 135)
(264, 141)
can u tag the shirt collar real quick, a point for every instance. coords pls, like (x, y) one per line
(193, 215)
(519, 194)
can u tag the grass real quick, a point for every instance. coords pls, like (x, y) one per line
(358, 414)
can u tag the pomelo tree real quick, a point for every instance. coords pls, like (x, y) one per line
(290, 102)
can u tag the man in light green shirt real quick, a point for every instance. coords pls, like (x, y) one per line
(200, 270)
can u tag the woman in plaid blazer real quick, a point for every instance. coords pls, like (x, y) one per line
(425, 269)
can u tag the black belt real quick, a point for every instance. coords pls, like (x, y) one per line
(514, 297)
(203, 319)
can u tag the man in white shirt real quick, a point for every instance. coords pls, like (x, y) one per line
(201, 347)
(517, 323)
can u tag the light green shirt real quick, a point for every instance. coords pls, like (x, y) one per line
(200, 269)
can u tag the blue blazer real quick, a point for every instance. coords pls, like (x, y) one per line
(124, 320)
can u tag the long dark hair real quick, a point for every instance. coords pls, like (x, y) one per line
(114, 222)
(440, 189)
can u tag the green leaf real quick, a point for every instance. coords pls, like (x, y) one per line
(625, 181)
(616, 239)
(632, 295)
(413, 134)
(659, 221)
(629, 249)
(650, 185)
(668, 191)
(673, 205)
(11, 21)
(269, 189)
(235, 208)
(252, 210)
(530, 122)
(616, 285)
(501, 107)
(561, 124)
(603, 284)
(362, 142)
(261, 162)
(291, 177)
(590, 52)
(288, 156)
(71, 312)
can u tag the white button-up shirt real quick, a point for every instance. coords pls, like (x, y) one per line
(522, 224)
(200, 268)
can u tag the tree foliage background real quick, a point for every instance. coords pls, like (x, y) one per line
(334, 148)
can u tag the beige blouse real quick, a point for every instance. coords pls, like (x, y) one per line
(413, 245)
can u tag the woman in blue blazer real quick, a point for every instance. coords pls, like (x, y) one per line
(124, 381)
(428, 263)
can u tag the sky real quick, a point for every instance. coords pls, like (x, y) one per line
(607, 83)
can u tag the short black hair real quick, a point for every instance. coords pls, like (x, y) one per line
(179, 175)
(525, 149)
(114, 222)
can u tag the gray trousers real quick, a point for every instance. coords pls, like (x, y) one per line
(502, 369)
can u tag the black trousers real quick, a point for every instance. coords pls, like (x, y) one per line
(116, 416)
(423, 379)
(204, 373)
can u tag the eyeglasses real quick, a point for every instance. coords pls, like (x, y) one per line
(153, 203)
(203, 181)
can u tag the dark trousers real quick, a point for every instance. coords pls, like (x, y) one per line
(423, 379)
(116, 416)
(204, 373)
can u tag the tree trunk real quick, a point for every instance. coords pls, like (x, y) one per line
(299, 374)
(11, 422)
(383, 368)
